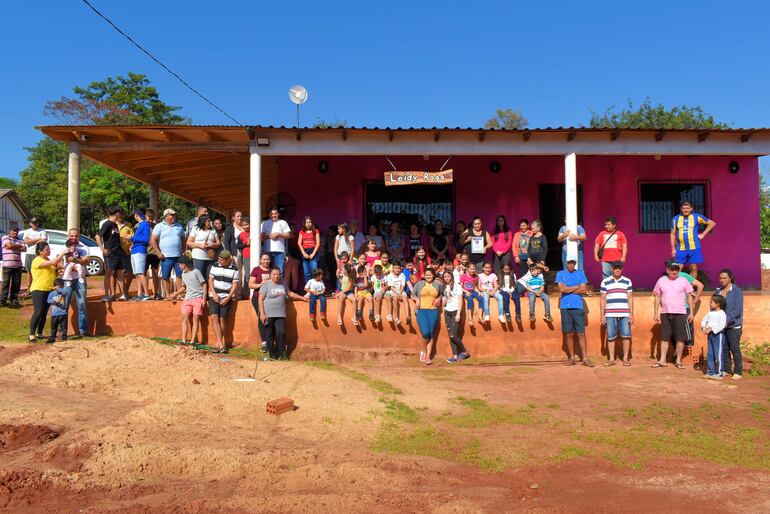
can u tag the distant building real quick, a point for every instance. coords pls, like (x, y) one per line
(13, 212)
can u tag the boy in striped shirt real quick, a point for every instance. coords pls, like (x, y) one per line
(223, 284)
(617, 311)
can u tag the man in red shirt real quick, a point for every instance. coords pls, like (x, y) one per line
(610, 245)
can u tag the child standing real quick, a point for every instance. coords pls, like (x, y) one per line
(713, 325)
(315, 288)
(58, 312)
(534, 284)
(489, 287)
(508, 292)
(537, 248)
(194, 291)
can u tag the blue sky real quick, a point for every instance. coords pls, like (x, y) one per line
(391, 63)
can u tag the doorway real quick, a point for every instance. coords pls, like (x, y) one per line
(552, 212)
(421, 204)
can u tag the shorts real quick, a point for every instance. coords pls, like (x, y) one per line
(152, 261)
(193, 306)
(618, 325)
(392, 294)
(379, 293)
(139, 263)
(167, 264)
(216, 309)
(573, 321)
(28, 258)
(349, 295)
(427, 322)
(114, 262)
(684, 257)
(127, 262)
(676, 326)
(364, 295)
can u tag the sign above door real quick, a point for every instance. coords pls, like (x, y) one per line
(411, 178)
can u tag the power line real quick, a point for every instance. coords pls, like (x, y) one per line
(140, 47)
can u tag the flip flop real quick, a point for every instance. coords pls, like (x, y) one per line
(680, 366)
(659, 365)
(609, 363)
(626, 364)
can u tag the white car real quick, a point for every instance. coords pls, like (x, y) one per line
(57, 238)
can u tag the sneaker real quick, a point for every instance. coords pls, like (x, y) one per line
(16, 303)
(359, 315)
(715, 377)
(157, 296)
(463, 356)
(486, 318)
(312, 318)
(323, 316)
(547, 318)
(389, 317)
(397, 321)
(137, 298)
(508, 316)
(123, 298)
(737, 376)
(532, 318)
(106, 298)
(502, 319)
(264, 348)
(452, 360)
(371, 315)
(518, 318)
(377, 318)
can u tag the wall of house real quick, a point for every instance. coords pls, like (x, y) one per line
(610, 188)
(10, 216)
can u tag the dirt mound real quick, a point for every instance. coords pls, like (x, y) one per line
(13, 437)
(68, 457)
(9, 354)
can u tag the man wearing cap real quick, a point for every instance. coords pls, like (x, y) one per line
(673, 297)
(12, 247)
(168, 241)
(223, 287)
(572, 285)
(140, 240)
(33, 235)
(617, 312)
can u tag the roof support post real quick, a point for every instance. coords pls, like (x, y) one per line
(255, 204)
(73, 186)
(154, 198)
(570, 194)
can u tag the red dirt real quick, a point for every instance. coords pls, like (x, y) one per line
(13, 437)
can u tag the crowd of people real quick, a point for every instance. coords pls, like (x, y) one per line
(417, 273)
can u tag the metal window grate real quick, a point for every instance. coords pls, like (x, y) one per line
(659, 202)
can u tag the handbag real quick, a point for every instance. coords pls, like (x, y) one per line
(600, 253)
(210, 252)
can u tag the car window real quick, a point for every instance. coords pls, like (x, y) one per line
(87, 241)
(56, 239)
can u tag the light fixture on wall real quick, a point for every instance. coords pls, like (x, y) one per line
(494, 167)
(733, 167)
(263, 141)
(323, 167)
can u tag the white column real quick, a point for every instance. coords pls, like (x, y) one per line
(255, 203)
(73, 186)
(570, 188)
(154, 195)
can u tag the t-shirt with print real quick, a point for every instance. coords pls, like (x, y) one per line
(260, 276)
(275, 299)
(487, 281)
(575, 278)
(193, 283)
(274, 227)
(580, 230)
(673, 294)
(617, 293)
(224, 278)
(385, 267)
(687, 230)
(613, 243)
(414, 244)
(468, 283)
(453, 296)
(396, 283)
(535, 283)
(315, 287)
(538, 248)
(110, 234)
(377, 282)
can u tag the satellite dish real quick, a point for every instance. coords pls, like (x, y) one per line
(298, 94)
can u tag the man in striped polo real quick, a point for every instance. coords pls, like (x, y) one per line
(617, 312)
(223, 286)
(685, 236)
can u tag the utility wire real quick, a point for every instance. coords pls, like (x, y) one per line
(140, 47)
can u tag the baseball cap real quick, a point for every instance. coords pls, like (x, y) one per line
(616, 264)
(572, 260)
(224, 254)
(34, 220)
(672, 264)
(185, 260)
(169, 211)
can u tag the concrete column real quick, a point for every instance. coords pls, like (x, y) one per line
(255, 203)
(73, 186)
(570, 189)
(154, 195)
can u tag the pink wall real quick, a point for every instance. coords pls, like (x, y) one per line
(610, 188)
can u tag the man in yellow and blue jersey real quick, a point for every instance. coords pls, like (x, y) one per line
(685, 236)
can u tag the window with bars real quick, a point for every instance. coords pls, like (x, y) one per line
(659, 202)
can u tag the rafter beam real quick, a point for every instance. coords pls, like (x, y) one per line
(614, 135)
(482, 135)
(571, 136)
(436, 136)
(526, 135)
(192, 164)
(745, 137)
(703, 136)
(659, 136)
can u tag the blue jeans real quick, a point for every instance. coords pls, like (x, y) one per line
(606, 269)
(533, 299)
(308, 267)
(716, 343)
(579, 258)
(321, 298)
(78, 290)
(277, 259)
(507, 297)
(499, 298)
(482, 301)
(617, 326)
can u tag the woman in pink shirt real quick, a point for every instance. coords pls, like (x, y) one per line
(372, 254)
(502, 241)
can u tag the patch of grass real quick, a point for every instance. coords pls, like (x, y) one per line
(630, 412)
(327, 420)
(473, 453)
(425, 441)
(481, 414)
(13, 326)
(570, 452)
(378, 385)
(438, 374)
(620, 462)
(397, 411)
(552, 406)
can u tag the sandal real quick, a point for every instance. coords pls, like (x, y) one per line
(659, 365)
(626, 363)
(609, 363)
(680, 366)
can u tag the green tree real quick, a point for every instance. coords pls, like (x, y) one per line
(8, 183)
(119, 100)
(321, 123)
(764, 212)
(656, 116)
(506, 119)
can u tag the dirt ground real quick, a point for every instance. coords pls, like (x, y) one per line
(132, 425)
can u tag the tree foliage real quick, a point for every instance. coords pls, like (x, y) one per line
(119, 100)
(8, 183)
(764, 213)
(506, 119)
(656, 116)
(324, 124)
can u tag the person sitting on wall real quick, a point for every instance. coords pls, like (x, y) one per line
(685, 236)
